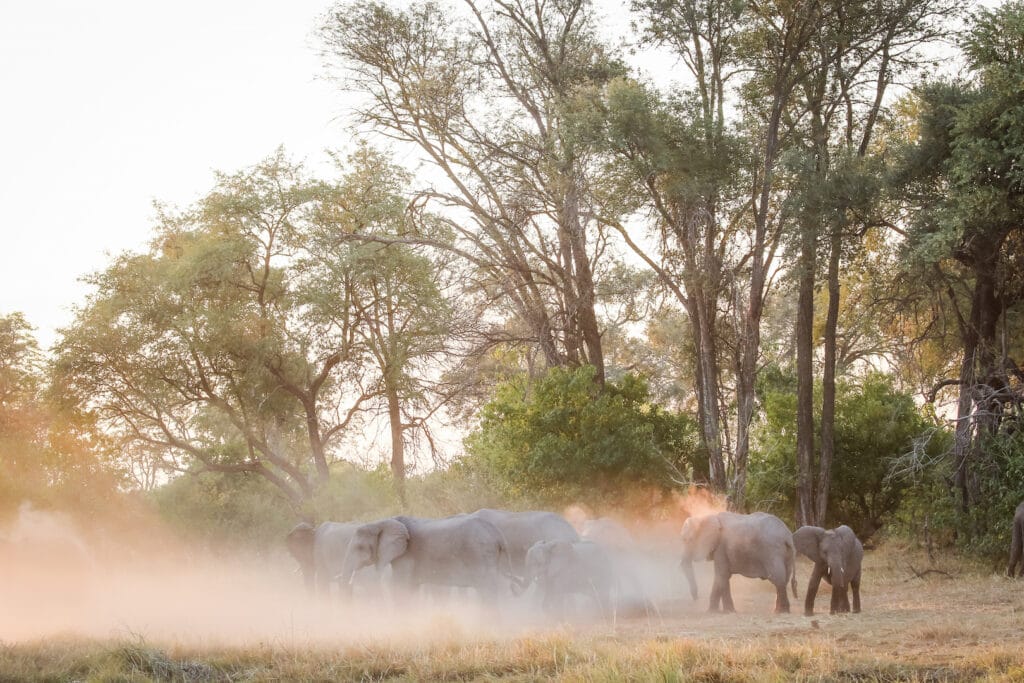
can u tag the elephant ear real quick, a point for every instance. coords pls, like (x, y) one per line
(300, 543)
(391, 542)
(706, 537)
(807, 540)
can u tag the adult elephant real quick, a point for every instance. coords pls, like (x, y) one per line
(320, 551)
(523, 529)
(460, 551)
(758, 546)
(837, 555)
(564, 568)
(1017, 543)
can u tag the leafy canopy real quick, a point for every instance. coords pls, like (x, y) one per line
(563, 439)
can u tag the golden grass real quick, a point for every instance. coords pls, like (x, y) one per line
(935, 628)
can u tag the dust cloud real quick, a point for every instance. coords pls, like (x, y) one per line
(63, 575)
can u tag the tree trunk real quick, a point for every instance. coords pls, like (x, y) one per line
(828, 381)
(397, 440)
(805, 377)
(586, 317)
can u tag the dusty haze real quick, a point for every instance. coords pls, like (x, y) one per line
(60, 575)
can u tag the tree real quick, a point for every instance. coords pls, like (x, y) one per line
(404, 298)
(485, 97)
(22, 418)
(876, 426)
(562, 439)
(238, 344)
(962, 179)
(857, 51)
(49, 452)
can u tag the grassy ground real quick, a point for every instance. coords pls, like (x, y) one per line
(963, 624)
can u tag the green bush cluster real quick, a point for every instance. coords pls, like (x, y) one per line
(563, 438)
(875, 426)
(932, 514)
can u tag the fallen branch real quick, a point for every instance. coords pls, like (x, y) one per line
(926, 572)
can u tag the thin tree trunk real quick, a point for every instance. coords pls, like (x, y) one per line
(805, 378)
(397, 441)
(828, 390)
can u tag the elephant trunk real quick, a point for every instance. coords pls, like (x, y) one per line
(519, 586)
(687, 566)
(347, 574)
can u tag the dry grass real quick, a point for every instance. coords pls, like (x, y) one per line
(936, 628)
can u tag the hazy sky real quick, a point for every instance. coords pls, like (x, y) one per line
(109, 105)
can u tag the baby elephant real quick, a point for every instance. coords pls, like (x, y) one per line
(837, 557)
(564, 568)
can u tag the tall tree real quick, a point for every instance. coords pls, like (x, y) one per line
(226, 346)
(684, 162)
(962, 178)
(483, 95)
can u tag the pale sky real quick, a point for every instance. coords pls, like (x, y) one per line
(109, 105)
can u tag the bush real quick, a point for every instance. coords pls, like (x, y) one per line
(933, 515)
(875, 424)
(565, 439)
(242, 511)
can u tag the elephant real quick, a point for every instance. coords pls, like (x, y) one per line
(1017, 544)
(837, 555)
(758, 546)
(460, 551)
(564, 568)
(320, 551)
(523, 529)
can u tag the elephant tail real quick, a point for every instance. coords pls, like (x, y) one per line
(792, 569)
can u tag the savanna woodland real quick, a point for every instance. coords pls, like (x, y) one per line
(771, 252)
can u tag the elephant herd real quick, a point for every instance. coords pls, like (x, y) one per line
(499, 554)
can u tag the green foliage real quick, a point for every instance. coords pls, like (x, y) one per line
(49, 453)
(933, 515)
(563, 439)
(875, 424)
(228, 512)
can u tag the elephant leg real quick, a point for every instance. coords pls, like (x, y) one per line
(781, 598)
(551, 603)
(323, 585)
(855, 588)
(726, 593)
(812, 588)
(716, 596)
(1016, 551)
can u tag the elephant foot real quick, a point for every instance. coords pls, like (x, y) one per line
(808, 613)
(782, 610)
(857, 611)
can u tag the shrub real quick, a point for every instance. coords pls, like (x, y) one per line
(564, 439)
(875, 424)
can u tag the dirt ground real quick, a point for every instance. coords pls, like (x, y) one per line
(944, 621)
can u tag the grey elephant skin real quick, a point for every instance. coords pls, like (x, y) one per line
(462, 551)
(561, 569)
(758, 546)
(837, 555)
(1017, 543)
(320, 551)
(523, 529)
